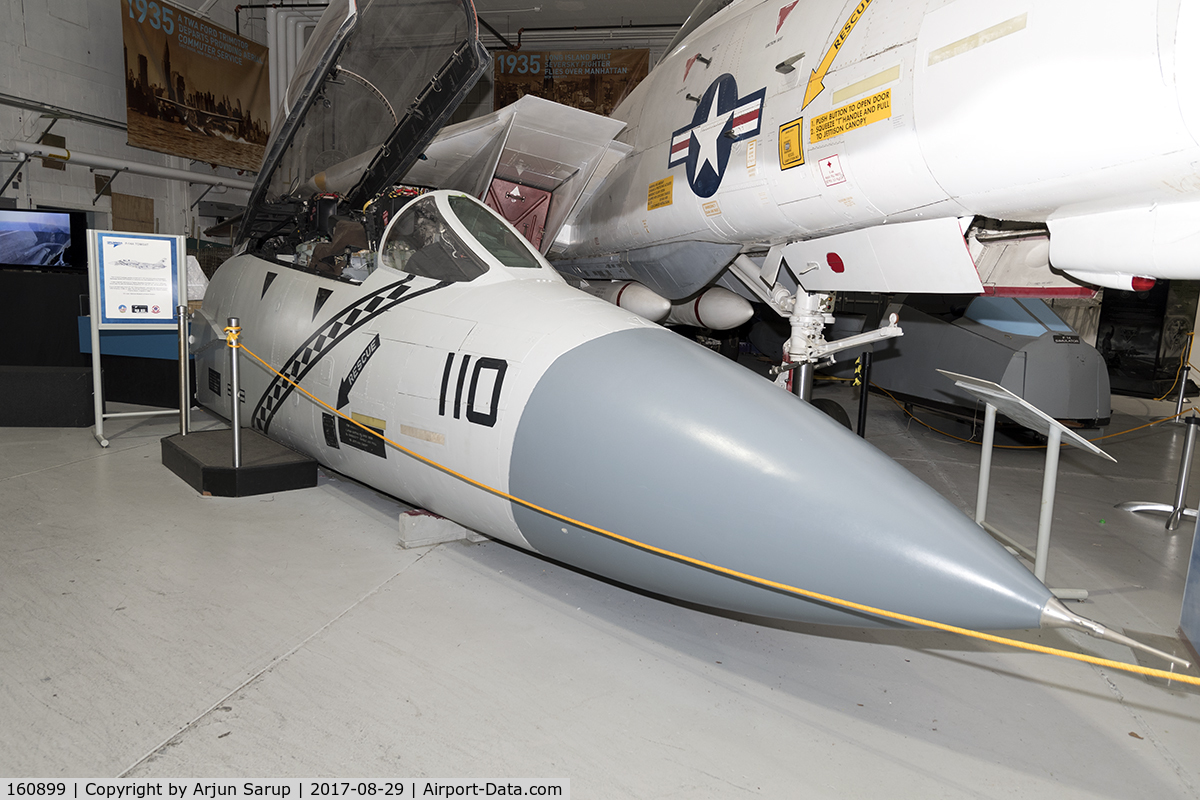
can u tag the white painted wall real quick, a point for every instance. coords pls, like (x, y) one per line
(69, 54)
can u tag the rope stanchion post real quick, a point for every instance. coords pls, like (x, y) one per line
(1178, 509)
(233, 331)
(185, 383)
(1182, 393)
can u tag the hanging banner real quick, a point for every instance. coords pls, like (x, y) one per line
(593, 80)
(193, 89)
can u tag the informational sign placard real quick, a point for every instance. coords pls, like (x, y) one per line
(136, 279)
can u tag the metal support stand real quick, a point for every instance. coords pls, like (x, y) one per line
(20, 166)
(1045, 517)
(185, 383)
(864, 383)
(202, 196)
(233, 331)
(1178, 510)
(107, 184)
(1022, 412)
(1182, 392)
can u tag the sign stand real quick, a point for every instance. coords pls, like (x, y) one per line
(137, 283)
(1178, 509)
(998, 398)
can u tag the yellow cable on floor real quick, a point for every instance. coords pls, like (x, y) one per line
(824, 598)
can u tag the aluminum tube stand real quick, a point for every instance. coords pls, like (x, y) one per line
(185, 381)
(1177, 510)
(1182, 393)
(998, 398)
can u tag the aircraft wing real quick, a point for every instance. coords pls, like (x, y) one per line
(533, 142)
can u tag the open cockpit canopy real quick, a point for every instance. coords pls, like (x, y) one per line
(376, 82)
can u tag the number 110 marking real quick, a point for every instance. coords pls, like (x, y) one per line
(497, 365)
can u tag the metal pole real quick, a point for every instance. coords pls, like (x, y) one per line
(233, 331)
(185, 384)
(1185, 469)
(802, 380)
(985, 463)
(1049, 484)
(1182, 391)
(864, 391)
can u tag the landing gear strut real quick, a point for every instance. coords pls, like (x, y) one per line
(809, 314)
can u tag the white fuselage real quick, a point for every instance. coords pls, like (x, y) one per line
(439, 348)
(1043, 112)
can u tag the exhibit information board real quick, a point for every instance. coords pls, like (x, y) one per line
(136, 279)
(138, 282)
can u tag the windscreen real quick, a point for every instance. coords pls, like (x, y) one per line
(420, 242)
(509, 247)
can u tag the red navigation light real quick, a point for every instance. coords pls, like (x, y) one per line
(836, 264)
(1141, 284)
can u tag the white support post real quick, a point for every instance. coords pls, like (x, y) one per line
(1046, 518)
(985, 463)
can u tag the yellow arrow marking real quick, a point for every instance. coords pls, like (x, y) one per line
(815, 81)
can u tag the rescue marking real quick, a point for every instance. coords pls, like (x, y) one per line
(322, 340)
(355, 371)
(851, 116)
(791, 148)
(816, 79)
(985, 36)
(711, 209)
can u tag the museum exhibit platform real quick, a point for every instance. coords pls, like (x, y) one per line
(204, 460)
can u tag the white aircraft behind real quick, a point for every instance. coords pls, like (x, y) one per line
(941, 146)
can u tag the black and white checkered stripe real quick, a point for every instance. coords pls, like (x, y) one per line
(338, 327)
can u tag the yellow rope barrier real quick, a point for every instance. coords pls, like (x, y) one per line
(806, 593)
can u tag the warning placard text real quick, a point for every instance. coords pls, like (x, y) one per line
(851, 116)
(660, 193)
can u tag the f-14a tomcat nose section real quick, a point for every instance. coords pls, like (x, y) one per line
(652, 437)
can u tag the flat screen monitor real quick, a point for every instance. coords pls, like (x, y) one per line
(42, 239)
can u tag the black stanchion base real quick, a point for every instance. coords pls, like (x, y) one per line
(204, 460)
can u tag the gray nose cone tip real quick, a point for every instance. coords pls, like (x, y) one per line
(652, 437)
